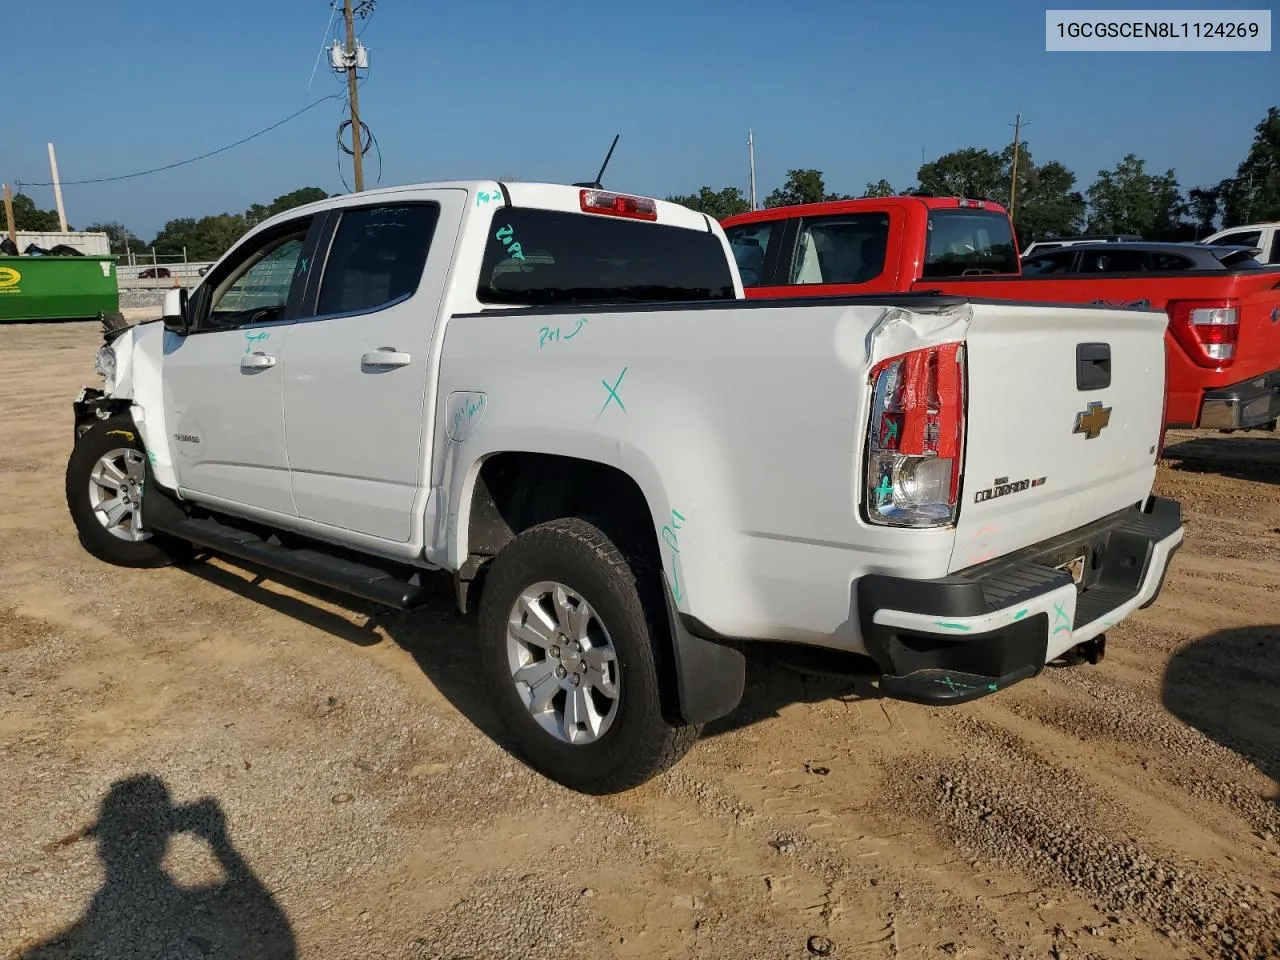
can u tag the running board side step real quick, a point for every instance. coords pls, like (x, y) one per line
(356, 579)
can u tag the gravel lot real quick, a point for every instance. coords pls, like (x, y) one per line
(204, 764)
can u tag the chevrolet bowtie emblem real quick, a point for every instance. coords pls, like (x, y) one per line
(1092, 420)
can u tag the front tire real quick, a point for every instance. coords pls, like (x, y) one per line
(104, 487)
(568, 647)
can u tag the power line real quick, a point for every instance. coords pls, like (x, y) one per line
(333, 12)
(182, 163)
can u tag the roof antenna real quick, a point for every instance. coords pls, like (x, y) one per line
(596, 184)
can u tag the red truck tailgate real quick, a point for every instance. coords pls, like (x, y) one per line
(1196, 366)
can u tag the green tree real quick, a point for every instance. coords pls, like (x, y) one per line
(259, 212)
(120, 237)
(1204, 204)
(1046, 204)
(205, 239)
(802, 186)
(881, 188)
(972, 172)
(27, 216)
(1128, 199)
(210, 237)
(715, 204)
(1253, 194)
(297, 198)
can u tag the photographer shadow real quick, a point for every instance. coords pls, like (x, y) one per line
(1224, 685)
(140, 912)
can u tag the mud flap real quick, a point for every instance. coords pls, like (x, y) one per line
(710, 677)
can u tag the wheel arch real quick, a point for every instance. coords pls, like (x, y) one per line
(506, 492)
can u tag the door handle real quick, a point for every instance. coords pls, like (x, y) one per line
(256, 361)
(385, 357)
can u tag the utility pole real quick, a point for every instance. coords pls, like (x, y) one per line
(8, 215)
(1013, 179)
(751, 153)
(57, 189)
(357, 137)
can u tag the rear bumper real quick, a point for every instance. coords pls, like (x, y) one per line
(964, 636)
(1241, 406)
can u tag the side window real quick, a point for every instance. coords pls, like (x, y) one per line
(750, 245)
(1113, 261)
(843, 248)
(377, 257)
(1048, 264)
(1169, 262)
(1245, 238)
(259, 285)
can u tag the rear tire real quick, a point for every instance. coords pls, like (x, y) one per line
(569, 656)
(104, 493)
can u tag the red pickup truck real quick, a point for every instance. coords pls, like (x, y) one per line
(1223, 338)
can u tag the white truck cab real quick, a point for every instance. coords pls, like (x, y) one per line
(559, 396)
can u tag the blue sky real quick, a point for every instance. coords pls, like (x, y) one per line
(537, 91)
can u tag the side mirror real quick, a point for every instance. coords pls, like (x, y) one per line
(175, 317)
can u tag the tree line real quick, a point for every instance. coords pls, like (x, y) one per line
(1129, 198)
(204, 238)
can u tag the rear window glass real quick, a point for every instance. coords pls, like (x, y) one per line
(750, 245)
(546, 256)
(964, 243)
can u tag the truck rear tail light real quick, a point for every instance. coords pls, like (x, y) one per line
(980, 204)
(618, 205)
(915, 439)
(1208, 330)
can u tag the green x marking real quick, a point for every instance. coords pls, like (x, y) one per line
(1061, 615)
(613, 394)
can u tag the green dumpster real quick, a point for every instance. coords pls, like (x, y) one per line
(57, 288)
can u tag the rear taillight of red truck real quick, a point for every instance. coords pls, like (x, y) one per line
(1208, 330)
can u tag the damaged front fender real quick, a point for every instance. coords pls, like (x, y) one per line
(92, 405)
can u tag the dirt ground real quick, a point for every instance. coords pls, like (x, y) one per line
(358, 801)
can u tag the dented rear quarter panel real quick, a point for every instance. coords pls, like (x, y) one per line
(743, 427)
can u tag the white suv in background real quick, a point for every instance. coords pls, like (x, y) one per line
(1264, 236)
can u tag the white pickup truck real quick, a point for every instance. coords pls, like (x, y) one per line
(559, 396)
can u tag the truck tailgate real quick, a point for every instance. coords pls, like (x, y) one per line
(1064, 417)
(1258, 350)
